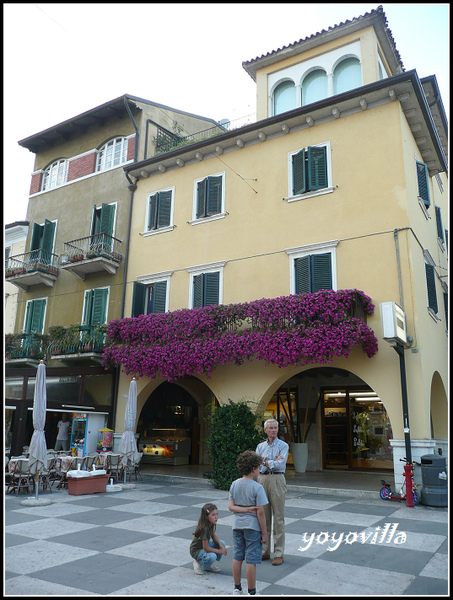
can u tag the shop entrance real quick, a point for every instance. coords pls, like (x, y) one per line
(356, 430)
(168, 427)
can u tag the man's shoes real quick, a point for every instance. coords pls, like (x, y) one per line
(277, 560)
(265, 557)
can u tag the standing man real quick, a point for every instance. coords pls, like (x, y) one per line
(272, 478)
(63, 427)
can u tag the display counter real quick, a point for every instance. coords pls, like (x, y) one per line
(166, 447)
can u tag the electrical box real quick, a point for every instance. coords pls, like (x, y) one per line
(393, 321)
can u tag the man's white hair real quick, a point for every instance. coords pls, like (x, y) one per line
(270, 421)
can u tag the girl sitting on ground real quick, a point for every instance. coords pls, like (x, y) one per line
(206, 548)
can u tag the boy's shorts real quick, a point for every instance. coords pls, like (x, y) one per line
(247, 544)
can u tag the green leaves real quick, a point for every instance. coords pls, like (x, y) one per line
(232, 431)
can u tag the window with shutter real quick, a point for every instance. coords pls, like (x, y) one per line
(149, 298)
(206, 289)
(309, 170)
(112, 154)
(95, 311)
(431, 287)
(313, 273)
(34, 318)
(42, 242)
(440, 229)
(209, 199)
(423, 187)
(159, 210)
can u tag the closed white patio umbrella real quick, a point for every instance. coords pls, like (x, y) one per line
(128, 444)
(38, 446)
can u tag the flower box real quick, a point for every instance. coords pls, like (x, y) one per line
(87, 485)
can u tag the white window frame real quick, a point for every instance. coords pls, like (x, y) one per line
(152, 278)
(147, 232)
(123, 142)
(45, 314)
(55, 175)
(105, 287)
(220, 215)
(207, 268)
(327, 190)
(308, 250)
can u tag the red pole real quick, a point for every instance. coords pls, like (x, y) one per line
(409, 494)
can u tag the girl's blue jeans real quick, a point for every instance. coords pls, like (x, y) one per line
(207, 559)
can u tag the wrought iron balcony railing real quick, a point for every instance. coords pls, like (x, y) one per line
(93, 246)
(25, 345)
(41, 261)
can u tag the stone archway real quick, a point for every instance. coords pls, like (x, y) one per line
(439, 409)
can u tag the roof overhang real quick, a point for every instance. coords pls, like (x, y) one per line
(77, 125)
(405, 88)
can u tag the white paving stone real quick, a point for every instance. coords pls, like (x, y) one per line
(47, 528)
(157, 525)
(23, 585)
(308, 503)
(164, 549)
(437, 567)
(146, 508)
(41, 554)
(339, 579)
(345, 518)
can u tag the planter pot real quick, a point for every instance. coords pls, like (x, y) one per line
(87, 485)
(299, 453)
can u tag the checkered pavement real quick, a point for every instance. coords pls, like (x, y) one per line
(136, 542)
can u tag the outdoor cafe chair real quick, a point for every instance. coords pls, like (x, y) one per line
(114, 466)
(89, 460)
(21, 478)
(48, 475)
(135, 467)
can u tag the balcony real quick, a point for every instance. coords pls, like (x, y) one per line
(92, 254)
(32, 268)
(78, 344)
(25, 349)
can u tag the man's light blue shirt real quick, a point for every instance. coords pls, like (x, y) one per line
(271, 451)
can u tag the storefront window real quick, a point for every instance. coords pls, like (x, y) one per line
(97, 390)
(13, 388)
(9, 418)
(357, 431)
(64, 390)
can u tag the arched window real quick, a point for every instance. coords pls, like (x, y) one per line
(284, 97)
(314, 87)
(113, 153)
(55, 174)
(347, 75)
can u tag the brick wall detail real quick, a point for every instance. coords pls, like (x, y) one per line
(36, 183)
(82, 166)
(131, 148)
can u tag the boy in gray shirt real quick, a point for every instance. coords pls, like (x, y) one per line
(246, 500)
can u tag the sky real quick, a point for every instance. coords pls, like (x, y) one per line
(62, 59)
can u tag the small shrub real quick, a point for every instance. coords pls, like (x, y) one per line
(232, 431)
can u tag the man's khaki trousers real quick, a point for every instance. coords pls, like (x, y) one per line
(275, 488)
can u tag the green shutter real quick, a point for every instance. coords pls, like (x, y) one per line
(298, 161)
(34, 320)
(138, 299)
(159, 296)
(164, 209)
(321, 266)
(99, 307)
(106, 226)
(201, 198)
(152, 215)
(87, 308)
(197, 291)
(317, 168)
(302, 274)
(431, 286)
(36, 237)
(47, 241)
(422, 177)
(440, 229)
(214, 195)
(211, 292)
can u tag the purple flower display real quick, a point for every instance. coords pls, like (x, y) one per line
(298, 329)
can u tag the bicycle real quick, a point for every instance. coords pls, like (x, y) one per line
(386, 491)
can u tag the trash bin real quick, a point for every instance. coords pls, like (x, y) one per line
(434, 480)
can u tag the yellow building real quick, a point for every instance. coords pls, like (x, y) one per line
(341, 184)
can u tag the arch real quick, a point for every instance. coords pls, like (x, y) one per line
(284, 97)
(314, 86)
(347, 74)
(55, 174)
(439, 408)
(112, 153)
(330, 399)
